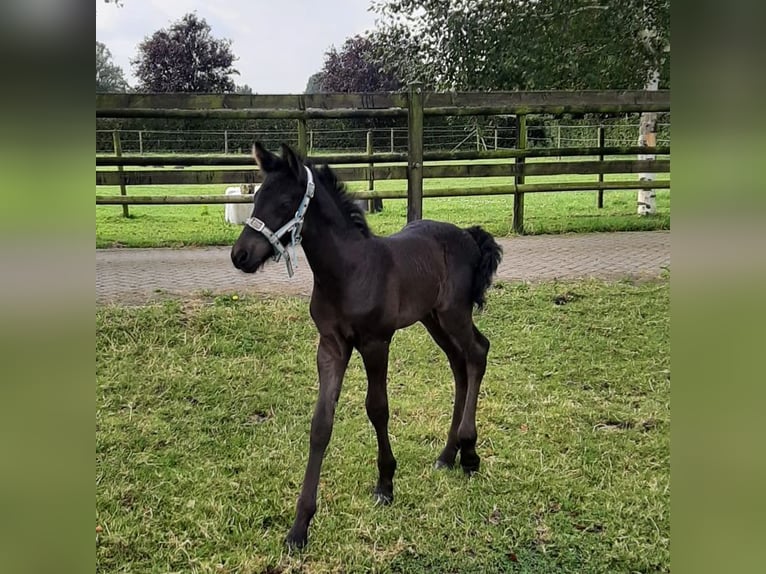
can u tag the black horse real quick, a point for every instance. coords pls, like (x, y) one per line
(365, 288)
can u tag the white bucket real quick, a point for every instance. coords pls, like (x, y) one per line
(237, 213)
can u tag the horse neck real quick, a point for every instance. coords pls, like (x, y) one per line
(329, 240)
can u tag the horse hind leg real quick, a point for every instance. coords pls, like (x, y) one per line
(475, 347)
(457, 363)
(476, 360)
(375, 357)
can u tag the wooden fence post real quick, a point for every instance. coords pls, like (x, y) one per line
(601, 158)
(370, 174)
(302, 137)
(518, 198)
(415, 152)
(118, 153)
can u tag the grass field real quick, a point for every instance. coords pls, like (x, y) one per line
(176, 226)
(203, 411)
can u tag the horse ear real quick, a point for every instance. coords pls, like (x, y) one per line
(294, 161)
(266, 160)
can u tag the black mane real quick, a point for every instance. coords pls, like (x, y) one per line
(346, 204)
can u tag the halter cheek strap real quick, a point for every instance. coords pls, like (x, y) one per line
(294, 227)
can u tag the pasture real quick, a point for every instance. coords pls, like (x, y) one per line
(187, 225)
(203, 411)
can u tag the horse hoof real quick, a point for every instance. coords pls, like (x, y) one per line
(440, 464)
(470, 470)
(296, 541)
(382, 498)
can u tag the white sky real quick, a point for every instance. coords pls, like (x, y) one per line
(279, 43)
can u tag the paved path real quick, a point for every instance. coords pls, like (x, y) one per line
(135, 276)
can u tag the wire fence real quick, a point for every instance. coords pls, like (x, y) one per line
(543, 134)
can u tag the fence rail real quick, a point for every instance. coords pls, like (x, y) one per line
(415, 105)
(334, 159)
(436, 103)
(394, 194)
(548, 133)
(206, 177)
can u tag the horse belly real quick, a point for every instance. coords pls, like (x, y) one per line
(415, 302)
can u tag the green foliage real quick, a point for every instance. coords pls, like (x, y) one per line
(548, 44)
(185, 58)
(109, 76)
(203, 411)
(356, 67)
(314, 83)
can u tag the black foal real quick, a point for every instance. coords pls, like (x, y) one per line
(365, 288)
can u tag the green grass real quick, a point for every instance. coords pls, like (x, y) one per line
(176, 226)
(203, 411)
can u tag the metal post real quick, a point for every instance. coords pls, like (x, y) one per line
(518, 198)
(392, 140)
(118, 153)
(141, 142)
(226, 141)
(311, 141)
(495, 138)
(415, 152)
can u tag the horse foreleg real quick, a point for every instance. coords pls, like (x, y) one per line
(332, 359)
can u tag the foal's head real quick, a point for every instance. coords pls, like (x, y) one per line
(276, 202)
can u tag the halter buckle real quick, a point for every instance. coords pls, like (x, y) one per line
(255, 223)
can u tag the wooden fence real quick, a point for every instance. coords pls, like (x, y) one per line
(414, 104)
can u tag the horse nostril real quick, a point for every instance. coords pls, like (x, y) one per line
(238, 257)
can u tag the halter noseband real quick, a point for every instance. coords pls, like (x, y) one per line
(294, 226)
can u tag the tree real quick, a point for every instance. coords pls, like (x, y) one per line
(541, 44)
(356, 68)
(185, 58)
(243, 89)
(109, 76)
(517, 44)
(314, 84)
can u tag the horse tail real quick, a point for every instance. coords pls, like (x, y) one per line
(491, 255)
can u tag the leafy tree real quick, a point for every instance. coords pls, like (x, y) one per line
(356, 68)
(185, 58)
(517, 44)
(109, 76)
(243, 89)
(314, 84)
